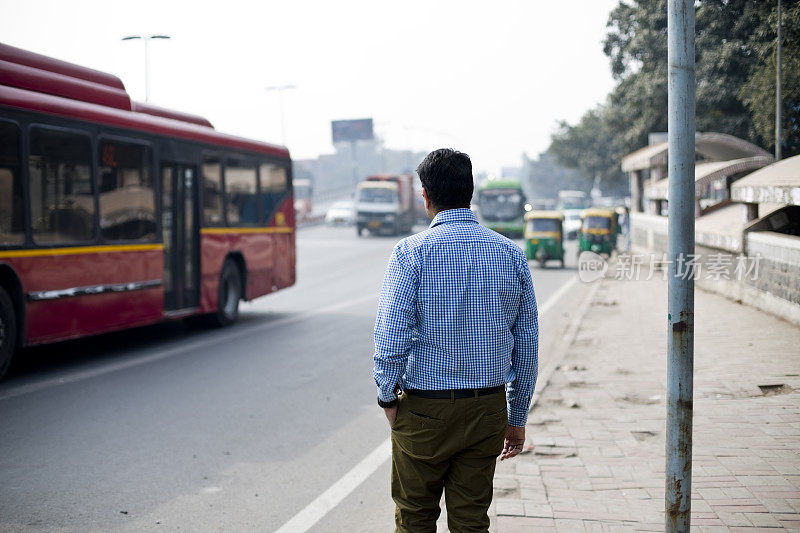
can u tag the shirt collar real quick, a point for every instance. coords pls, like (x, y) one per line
(449, 216)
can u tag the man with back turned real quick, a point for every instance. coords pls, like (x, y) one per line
(456, 341)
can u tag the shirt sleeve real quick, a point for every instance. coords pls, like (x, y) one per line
(394, 324)
(525, 356)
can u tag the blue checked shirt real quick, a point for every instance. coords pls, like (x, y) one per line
(457, 311)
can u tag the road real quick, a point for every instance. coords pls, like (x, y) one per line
(171, 427)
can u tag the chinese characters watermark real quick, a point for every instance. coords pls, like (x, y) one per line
(635, 267)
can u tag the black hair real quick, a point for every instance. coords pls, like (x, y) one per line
(446, 176)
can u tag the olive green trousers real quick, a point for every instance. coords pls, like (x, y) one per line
(450, 445)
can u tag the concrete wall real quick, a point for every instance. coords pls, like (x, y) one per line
(648, 233)
(779, 263)
(776, 287)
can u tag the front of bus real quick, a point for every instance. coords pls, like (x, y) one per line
(502, 209)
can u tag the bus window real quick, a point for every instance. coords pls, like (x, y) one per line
(12, 226)
(274, 189)
(241, 193)
(127, 196)
(212, 191)
(62, 195)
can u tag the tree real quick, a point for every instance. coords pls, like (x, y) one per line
(544, 177)
(734, 42)
(758, 93)
(724, 60)
(636, 46)
(589, 146)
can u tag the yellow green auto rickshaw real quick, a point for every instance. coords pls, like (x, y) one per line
(599, 230)
(544, 236)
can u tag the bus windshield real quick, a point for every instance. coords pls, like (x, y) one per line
(500, 204)
(377, 196)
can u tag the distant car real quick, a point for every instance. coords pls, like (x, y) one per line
(341, 214)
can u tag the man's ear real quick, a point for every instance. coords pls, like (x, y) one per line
(427, 200)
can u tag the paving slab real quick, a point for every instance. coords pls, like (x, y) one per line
(594, 456)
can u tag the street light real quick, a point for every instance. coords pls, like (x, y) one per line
(280, 89)
(146, 59)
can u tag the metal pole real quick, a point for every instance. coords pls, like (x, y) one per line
(680, 344)
(280, 89)
(146, 69)
(778, 133)
(355, 162)
(283, 120)
(146, 59)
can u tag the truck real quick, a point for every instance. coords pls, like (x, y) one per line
(420, 214)
(385, 204)
(303, 205)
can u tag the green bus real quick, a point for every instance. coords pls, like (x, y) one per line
(501, 207)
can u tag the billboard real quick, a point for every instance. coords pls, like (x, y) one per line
(352, 130)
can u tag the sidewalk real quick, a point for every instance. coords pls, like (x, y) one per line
(597, 430)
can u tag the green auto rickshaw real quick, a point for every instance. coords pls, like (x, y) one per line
(599, 230)
(544, 236)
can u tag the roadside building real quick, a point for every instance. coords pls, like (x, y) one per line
(721, 159)
(747, 230)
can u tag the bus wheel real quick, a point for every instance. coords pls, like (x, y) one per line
(8, 331)
(230, 292)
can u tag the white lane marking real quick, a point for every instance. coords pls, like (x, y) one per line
(325, 502)
(328, 500)
(556, 296)
(328, 243)
(170, 352)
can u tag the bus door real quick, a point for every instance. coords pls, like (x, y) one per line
(181, 236)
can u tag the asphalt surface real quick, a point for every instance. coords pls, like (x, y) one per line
(171, 427)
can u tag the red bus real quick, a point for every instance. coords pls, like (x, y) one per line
(116, 214)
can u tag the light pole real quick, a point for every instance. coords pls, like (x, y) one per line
(146, 59)
(281, 89)
(680, 307)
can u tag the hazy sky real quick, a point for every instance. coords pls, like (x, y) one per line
(489, 78)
